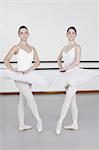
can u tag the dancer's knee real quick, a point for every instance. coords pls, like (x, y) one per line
(71, 90)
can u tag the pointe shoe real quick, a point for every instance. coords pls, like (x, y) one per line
(58, 128)
(39, 126)
(71, 127)
(25, 127)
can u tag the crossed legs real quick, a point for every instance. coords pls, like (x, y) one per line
(70, 100)
(26, 94)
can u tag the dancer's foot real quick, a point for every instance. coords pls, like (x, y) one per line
(58, 128)
(71, 127)
(39, 126)
(25, 127)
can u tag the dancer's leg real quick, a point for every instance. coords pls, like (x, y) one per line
(71, 91)
(21, 105)
(74, 112)
(21, 109)
(26, 91)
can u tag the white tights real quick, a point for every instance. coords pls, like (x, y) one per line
(70, 100)
(26, 94)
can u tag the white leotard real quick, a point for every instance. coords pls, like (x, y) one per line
(24, 59)
(68, 57)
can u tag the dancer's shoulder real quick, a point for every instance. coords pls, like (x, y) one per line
(65, 48)
(78, 48)
(14, 49)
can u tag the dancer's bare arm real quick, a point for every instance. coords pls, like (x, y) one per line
(59, 59)
(8, 57)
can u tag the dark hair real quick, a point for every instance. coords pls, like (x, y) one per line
(22, 27)
(72, 28)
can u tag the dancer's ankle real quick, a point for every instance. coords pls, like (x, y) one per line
(75, 124)
(39, 126)
(58, 127)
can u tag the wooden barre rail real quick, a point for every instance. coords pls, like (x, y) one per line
(51, 92)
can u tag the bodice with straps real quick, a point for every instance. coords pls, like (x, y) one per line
(68, 57)
(24, 59)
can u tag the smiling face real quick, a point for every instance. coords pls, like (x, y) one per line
(71, 34)
(23, 34)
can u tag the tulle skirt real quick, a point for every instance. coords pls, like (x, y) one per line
(58, 81)
(33, 77)
(73, 77)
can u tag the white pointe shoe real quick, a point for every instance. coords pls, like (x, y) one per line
(39, 126)
(71, 127)
(58, 128)
(25, 127)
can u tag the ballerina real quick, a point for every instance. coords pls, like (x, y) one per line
(24, 76)
(69, 78)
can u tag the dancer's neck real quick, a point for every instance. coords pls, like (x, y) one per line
(71, 43)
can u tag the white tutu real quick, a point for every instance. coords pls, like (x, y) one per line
(32, 78)
(74, 77)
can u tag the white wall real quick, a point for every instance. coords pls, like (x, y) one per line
(47, 22)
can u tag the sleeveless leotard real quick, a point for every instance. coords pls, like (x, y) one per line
(24, 59)
(68, 57)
